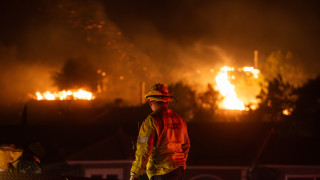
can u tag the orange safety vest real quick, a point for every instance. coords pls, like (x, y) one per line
(162, 145)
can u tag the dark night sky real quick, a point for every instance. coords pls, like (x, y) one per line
(237, 26)
(41, 33)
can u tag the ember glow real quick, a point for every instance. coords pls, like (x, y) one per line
(65, 95)
(227, 89)
(252, 70)
(287, 112)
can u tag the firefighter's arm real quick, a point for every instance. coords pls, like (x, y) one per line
(186, 145)
(185, 148)
(144, 146)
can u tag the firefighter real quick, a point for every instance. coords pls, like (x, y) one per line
(15, 159)
(163, 143)
(29, 161)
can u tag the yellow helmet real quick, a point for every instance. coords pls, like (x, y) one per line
(158, 92)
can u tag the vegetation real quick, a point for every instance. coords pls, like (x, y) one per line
(293, 111)
(278, 101)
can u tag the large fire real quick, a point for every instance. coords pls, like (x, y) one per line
(65, 95)
(227, 89)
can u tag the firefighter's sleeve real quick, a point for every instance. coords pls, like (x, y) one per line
(144, 146)
(186, 144)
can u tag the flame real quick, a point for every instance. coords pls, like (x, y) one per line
(230, 101)
(65, 95)
(287, 112)
(227, 89)
(252, 70)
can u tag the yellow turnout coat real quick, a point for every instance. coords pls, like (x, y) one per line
(162, 145)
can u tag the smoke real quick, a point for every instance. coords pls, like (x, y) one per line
(236, 26)
(20, 78)
(135, 41)
(77, 74)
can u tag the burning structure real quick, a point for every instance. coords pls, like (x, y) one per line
(65, 95)
(227, 89)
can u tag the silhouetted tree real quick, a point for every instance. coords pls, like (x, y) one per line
(279, 96)
(186, 98)
(208, 104)
(209, 98)
(306, 114)
(76, 73)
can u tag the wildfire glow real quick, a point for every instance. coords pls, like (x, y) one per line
(65, 95)
(227, 89)
(287, 112)
(255, 72)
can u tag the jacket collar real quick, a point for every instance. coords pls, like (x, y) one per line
(159, 110)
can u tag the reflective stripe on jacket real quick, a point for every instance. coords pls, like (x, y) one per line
(163, 143)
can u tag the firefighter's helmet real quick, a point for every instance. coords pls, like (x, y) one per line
(158, 92)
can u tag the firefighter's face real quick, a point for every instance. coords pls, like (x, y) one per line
(153, 105)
